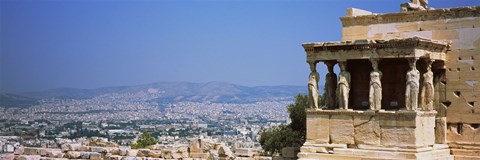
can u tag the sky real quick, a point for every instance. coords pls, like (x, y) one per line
(91, 44)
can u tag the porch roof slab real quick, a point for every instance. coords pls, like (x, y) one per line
(414, 47)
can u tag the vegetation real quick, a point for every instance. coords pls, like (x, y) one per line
(321, 100)
(275, 139)
(291, 135)
(297, 113)
(145, 139)
(85, 133)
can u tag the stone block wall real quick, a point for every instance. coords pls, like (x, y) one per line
(356, 134)
(389, 129)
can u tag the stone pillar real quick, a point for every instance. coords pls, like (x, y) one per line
(313, 85)
(441, 130)
(330, 85)
(375, 92)
(411, 92)
(428, 90)
(343, 86)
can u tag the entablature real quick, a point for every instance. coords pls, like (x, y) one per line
(414, 47)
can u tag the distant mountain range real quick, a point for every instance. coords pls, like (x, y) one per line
(219, 92)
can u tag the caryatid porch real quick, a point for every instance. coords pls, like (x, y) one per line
(381, 102)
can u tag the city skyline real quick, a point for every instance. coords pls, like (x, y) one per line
(93, 44)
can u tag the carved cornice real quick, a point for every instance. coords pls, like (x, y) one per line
(441, 46)
(411, 16)
(414, 47)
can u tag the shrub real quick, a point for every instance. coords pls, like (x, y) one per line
(145, 139)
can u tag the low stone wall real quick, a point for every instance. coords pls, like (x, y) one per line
(403, 129)
(340, 134)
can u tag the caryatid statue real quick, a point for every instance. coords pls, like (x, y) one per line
(427, 89)
(414, 5)
(423, 3)
(313, 85)
(375, 96)
(411, 92)
(330, 86)
(343, 86)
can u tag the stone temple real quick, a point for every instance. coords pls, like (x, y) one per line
(408, 86)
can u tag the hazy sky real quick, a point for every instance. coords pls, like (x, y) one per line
(91, 44)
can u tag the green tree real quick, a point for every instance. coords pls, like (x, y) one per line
(297, 113)
(273, 140)
(291, 135)
(321, 100)
(145, 139)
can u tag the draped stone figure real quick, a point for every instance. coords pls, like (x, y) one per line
(330, 86)
(313, 86)
(427, 90)
(375, 97)
(423, 3)
(343, 87)
(411, 93)
(414, 5)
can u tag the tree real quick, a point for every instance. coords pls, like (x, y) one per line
(273, 140)
(291, 135)
(297, 113)
(322, 102)
(145, 139)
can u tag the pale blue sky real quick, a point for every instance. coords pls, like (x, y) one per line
(91, 44)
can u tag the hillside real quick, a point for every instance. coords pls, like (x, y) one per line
(12, 100)
(169, 92)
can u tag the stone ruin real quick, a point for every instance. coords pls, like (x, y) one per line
(101, 149)
(407, 87)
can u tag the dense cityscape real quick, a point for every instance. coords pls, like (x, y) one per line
(120, 118)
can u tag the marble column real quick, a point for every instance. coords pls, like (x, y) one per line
(313, 85)
(375, 92)
(411, 92)
(343, 86)
(428, 92)
(330, 85)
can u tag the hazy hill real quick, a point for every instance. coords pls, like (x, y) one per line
(12, 100)
(183, 91)
(231, 93)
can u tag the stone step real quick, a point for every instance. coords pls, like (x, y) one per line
(449, 157)
(462, 157)
(359, 154)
